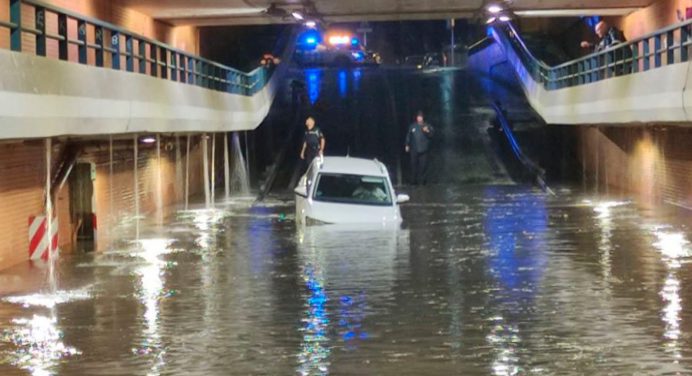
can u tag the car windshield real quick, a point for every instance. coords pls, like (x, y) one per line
(353, 189)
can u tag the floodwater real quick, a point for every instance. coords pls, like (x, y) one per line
(481, 280)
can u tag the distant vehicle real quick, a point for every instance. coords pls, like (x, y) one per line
(429, 60)
(339, 49)
(347, 190)
(416, 61)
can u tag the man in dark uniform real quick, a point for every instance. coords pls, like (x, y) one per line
(313, 142)
(418, 140)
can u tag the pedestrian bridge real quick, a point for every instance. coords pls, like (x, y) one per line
(647, 84)
(104, 80)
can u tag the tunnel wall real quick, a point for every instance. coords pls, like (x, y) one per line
(659, 14)
(112, 11)
(651, 162)
(657, 95)
(22, 195)
(654, 163)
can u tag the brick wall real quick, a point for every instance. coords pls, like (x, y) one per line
(22, 195)
(658, 15)
(112, 11)
(654, 163)
(22, 167)
(114, 195)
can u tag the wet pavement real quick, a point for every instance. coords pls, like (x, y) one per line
(481, 280)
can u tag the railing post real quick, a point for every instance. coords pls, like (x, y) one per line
(183, 68)
(63, 42)
(635, 57)
(115, 47)
(684, 39)
(100, 46)
(142, 47)
(16, 20)
(174, 66)
(202, 69)
(82, 37)
(609, 61)
(647, 54)
(153, 55)
(164, 60)
(657, 51)
(670, 48)
(191, 71)
(40, 23)
(129, 54)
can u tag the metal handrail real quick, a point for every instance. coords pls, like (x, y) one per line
(625, 58)
(110, 42)
(532, 167)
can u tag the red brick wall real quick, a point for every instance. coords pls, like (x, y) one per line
(653, 163)
(658, 15)
(22, 167)
(21, 195)
(111, 218)
(112, 11)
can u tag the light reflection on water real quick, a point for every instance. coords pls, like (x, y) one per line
(150, 292)
(675, 248)
(39, 345)
(481, 280)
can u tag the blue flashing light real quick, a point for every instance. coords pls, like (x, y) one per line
(354, 41)
(309, 40)
(359, 56)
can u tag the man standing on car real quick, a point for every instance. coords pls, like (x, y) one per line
(313, 142)
(418, 140)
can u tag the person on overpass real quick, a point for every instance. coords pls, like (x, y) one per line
(608, 37)
(418, 139)
(313, 142)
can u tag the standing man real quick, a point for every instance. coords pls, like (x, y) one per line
(609, 37)
(313, 142)
(418, 140)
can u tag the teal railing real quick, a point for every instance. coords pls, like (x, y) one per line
(667, 46)
(102, 44)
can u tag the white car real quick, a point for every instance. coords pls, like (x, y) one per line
(347, 190)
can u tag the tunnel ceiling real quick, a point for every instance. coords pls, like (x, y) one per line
(252, 12)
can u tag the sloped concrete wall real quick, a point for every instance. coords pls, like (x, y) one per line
(656, 96)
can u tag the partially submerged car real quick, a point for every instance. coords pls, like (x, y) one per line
(347, 190)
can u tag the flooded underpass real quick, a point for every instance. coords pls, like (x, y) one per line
(480, 280)
(485, 276)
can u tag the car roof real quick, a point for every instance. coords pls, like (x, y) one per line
(356, 166)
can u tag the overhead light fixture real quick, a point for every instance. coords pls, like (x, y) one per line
(491, 20)
(494, 8)
(504, 18)
(311, 24)
(148, 140)
(297, 15)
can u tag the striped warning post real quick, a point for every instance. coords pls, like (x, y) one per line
(38, 237)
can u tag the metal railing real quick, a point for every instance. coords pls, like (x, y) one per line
(93, 42)
(667, 46)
